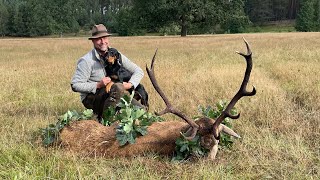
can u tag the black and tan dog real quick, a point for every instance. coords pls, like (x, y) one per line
(118, 73)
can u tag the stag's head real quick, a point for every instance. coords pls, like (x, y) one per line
(208, 129)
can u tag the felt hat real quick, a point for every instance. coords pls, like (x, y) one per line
(99, 31)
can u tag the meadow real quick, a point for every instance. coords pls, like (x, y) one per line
(280, 126)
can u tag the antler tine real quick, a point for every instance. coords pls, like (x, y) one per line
(156, 86)
(153, 59)
(247, 45)
(245, 81)
(242, 92)
(169, 107)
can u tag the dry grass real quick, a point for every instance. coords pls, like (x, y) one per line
(280, 125)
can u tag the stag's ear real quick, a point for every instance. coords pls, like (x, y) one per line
(227, 130)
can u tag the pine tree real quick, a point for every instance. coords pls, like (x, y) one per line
(306, 16)
(317, 16)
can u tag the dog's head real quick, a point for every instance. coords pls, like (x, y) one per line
(112, 55)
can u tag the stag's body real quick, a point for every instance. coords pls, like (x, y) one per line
(90, 138)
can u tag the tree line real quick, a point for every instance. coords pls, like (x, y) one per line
(29, 18)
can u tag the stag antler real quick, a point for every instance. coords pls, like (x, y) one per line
(170, 109)
(242, 92)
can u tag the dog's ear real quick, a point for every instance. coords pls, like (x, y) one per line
(119, 60)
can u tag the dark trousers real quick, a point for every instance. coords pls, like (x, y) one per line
(102, 100)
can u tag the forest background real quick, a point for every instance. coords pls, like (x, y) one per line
(34, 18)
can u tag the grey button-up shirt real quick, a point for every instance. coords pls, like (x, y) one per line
(90, 70)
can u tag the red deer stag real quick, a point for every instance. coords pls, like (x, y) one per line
(93, 139)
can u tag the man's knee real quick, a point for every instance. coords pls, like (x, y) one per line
(89, 101)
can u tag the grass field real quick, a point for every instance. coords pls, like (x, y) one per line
(280, 126)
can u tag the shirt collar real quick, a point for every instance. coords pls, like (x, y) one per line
(97, 55)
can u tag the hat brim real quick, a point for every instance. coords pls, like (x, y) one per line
(100, 36)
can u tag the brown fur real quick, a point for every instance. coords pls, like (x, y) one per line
(90, 138)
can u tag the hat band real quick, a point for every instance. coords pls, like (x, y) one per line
(98, 32)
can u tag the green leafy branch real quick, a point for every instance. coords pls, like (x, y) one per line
(133, 121)
(50, 134)
(186, 148)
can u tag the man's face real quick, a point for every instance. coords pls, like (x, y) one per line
(101, 44)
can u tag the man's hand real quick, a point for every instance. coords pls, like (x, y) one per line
(127, 85)
(104, 81)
